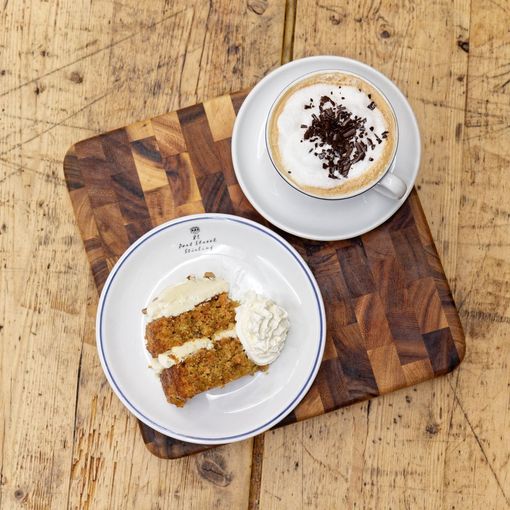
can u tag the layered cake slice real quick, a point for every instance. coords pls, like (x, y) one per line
(200, 338)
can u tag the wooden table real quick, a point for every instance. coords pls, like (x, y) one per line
(69, 70)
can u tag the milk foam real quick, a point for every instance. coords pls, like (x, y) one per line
(295, 154)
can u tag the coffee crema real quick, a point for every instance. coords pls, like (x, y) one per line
(331, 134)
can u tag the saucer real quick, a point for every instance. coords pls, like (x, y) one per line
(288, 208)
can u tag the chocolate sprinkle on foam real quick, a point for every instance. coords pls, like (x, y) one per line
(337, 135)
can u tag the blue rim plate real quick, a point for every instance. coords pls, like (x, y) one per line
(251, 257)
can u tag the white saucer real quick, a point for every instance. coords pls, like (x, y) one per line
(250, 257)
(291, 210)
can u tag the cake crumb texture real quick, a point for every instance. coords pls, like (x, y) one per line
(217, 314)
(207, 369)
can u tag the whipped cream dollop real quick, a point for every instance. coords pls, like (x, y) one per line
(185, 296)
(262, 327)
(300, 155)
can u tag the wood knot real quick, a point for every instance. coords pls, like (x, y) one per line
(39, 89)
(463, 45)
(385, 34)
(432, 428)
(257, 6)
(212, 466)
(233, 49)
(76, 77)
(19, 494)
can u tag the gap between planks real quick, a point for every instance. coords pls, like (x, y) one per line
(257, 458)
(289, 25)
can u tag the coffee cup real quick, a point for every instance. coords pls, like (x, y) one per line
(333, 135)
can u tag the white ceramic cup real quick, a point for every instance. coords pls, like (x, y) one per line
(387, 184)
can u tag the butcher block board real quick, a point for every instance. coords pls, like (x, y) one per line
(391, 318)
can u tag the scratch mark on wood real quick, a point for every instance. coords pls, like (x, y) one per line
(505, 84)
(44, 121)
(55, 179)
(93, 53)
(273, 495)
(326, 466)
(480, 445)
(186, 51)
(44, 131)
(203, 48)
(493, 2)
(75, 420)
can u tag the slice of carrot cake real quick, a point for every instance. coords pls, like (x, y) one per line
(200, 338)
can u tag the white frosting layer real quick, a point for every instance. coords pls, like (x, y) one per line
(228, 333)
(185, 296)
(262, 328)
(181, 352)
(305, 167)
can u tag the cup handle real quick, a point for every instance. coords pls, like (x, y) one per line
(391, 186)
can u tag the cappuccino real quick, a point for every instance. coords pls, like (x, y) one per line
(332, 134)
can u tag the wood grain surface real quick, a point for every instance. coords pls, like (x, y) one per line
(391, 319)
(69, 70)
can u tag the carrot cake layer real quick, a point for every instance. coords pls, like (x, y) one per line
(206, 369)
(217, 314)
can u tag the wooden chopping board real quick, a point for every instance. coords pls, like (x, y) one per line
(391, 318)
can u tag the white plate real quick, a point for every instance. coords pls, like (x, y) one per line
(291, 210)
(249, 256)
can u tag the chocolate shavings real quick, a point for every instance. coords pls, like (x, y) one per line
(338, 136)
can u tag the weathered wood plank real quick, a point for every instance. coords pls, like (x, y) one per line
(482, 411)
(398, 463)
(67, 73)
(43, 269)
